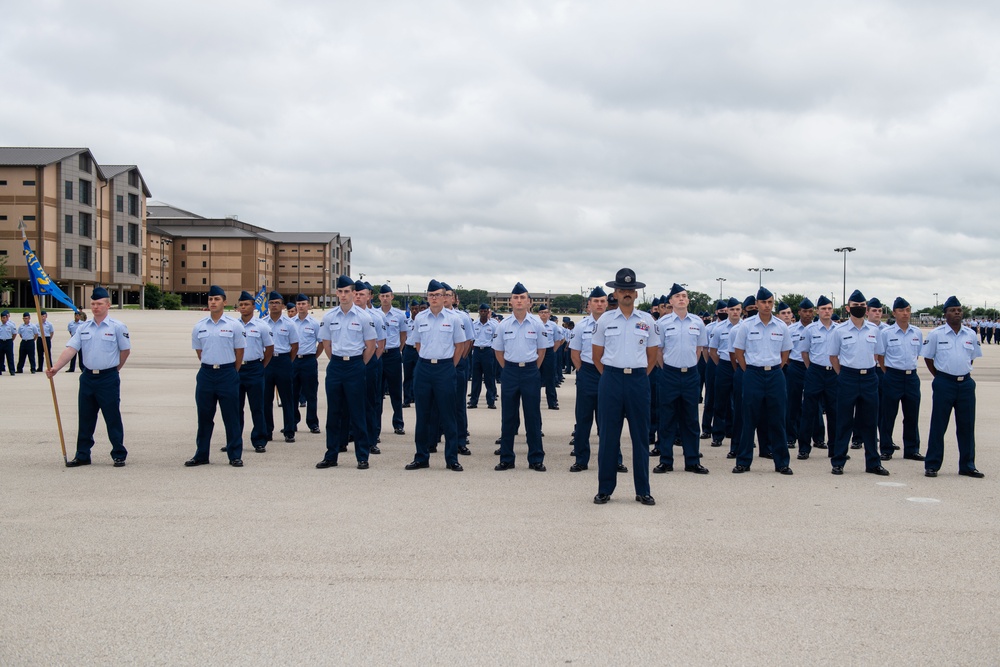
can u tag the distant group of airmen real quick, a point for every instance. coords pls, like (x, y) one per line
(754, 370)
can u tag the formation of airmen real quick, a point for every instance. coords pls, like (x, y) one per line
(766, 383)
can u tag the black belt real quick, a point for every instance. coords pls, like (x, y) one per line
(218, 367)
(899, 371)
(306, 356)
(766, 369)
(821, 368)
(859, 371)
(438, 361)
(796, 361)
(625, 371)
(680, 369)
(252, 361)
(100, 371)
(483, 347)
(354, 358)
(953, 378)
(519, 364)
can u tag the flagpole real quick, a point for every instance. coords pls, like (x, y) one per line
(47, 358)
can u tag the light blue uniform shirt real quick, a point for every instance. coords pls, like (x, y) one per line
(101, 343)
(482, 334)
(583, 340)
(218, 341)
(953, 353)
(853, 346)
(308, 330)
(762, 344)
(49, 329)
(549, 333)
(72, 326)
(7, 331)
(797, 331)
(378, 321)
(438, 334)
(625, 339)
(347, 332)
(395, 321)
(27, 331)
(901, 349)
(466, 321)
(520, 341)
(679, 339)
(258, 338)
(719, 341)
(283, 333)
(409, 332)
(816, 343)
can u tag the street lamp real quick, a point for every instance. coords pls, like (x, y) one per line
(721, 280)
(935, 299)
(760, 274)
(845, 250)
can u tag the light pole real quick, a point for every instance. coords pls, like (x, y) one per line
(935, 299)
(845, 250)
(721, 280)
(760, 274)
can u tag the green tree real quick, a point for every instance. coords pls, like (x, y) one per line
(471, 298)
(172, 301)
(4, 285)
(699, 301)
(793, 300)
(154, 297)
(568, 303)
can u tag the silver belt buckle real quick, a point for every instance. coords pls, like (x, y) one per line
(828, 368)
(627, 371)
(345, 358)
(960, 378)
(908, 372)
(215, 367)
(433, 361)
(863, 371)
(522, 364)
(95, 371)
(767, 368)
(684, 370)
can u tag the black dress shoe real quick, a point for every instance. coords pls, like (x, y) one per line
(622, 467)
(406, 405)
(837, 470)
(819, 445)
(471, 406)
(971, 473)
(433, 449)
(541, 433)
(696, 468)
(572, 452)
(465, 451)
(663, 467)
(601, 498)
(195, 462)
(236, 463)
(399, 431)
(802, 456)
(645, 500)
(497, 442)
(457, 467)
(767, 456)
(75, 463)
(539, 467)
(576, 467)
(741, 469)
(930, 473)
(895, 447)
(717, 443)
(492, 406)
(414, 465)
(374, 450)
(677, 442)
(705, 435)
(342, 449)
(289, 438)
(553, 407)
(785, 471)
(914, 457)
(731, 455)
(363, 465)
(496, 452)
(326, 464)
(503, 466)
(119, 463)
(655, 451)
(223, 449)
(878, 471)
(886, 457)
(315, 429)
(856, 445)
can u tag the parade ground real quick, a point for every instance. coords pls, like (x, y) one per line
(281, 563)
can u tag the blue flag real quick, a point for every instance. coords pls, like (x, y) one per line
(260, 302)
(41, 284)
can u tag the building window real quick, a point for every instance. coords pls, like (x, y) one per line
(85, 164)
(69, 190)
(133, 263)
(133, 234)
(182, 246)
(3, 182)
(85, 220)
(84, 192)
(120, 203)
(204, 281)
(183, 263)
(69, 226)
(28, 183)
(84, 253)
(120, 264)
(3, 217)
(119, 234)
(133, 205)
(133, 178)
(183, 281)
(204, 265)
(204, 247)
(26, 218)
(68, 261)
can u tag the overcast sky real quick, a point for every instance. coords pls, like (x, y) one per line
(484, 143)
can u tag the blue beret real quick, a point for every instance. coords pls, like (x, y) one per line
(836, 317)
(806, 304)
(99, 293)
(301, 297)
(245, 296)
(732, 303)
(823, 300)
(215, 290)
(782, 306)
(664, 299)
(434, 286)
(446, 286)
(275, 296)
(567, 319)
(612, 300)
(44, 312)
(703, 313)
(368, 286)
(359, 285)
(519, 289)
(857, 297)
(484, 306)
(749, 301)
(874, 302)
(900, 302)
(289, 302)
(674, 289)
(655, 302)
(952, 302)
(414, 302)
(385, 289)
(763, 294)
(5, 313)
(344, 281)
(542, 307)
(597, 293)
(26, 314)
(720, 304)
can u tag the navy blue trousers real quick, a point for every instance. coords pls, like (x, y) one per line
(820, 389)
(857, 412)
(410, 357)
(587, 380)
(218, 386)
(102, 393)
(950, 394)
(7, 356)
(734, 442)
(461, 389)
(708, 405)
(252, 391)
(40, 351)
(278, 374)
(392, 382)
(795, 382)
(549, 378)
(373, 399)
(345, 385)
(305, 384)
(898, 388)
(434, 391)
(483, 359)
(677, 395)
(521, 389)
(765, 398)
(654, 406)
(722, 419)
(26, 350)
(623, 396)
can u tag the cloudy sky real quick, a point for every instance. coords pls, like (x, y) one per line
(551, 142)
